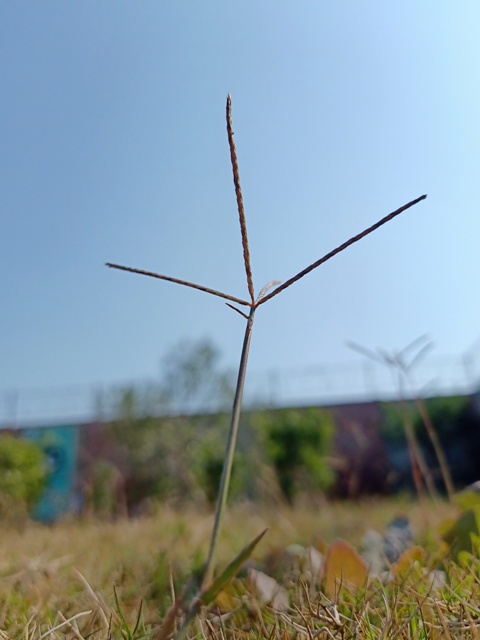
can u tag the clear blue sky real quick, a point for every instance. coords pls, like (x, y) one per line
(113, 148)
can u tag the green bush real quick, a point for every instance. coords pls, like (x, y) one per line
(296, 443)
(23, 472)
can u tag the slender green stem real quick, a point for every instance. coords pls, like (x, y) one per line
(230, 450)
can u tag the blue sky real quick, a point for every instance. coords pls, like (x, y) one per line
(112, 125)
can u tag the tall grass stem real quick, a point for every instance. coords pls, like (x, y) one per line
(437, 447)
(230, 449)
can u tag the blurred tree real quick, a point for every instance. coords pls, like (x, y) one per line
(191, 381)
(161, 433)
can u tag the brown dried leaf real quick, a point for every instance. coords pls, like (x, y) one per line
(343, 566)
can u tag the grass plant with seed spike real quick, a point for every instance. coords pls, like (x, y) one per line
(397, 362)
(420, 472)
(206, 586)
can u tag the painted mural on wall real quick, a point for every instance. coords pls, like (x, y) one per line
(60, 445)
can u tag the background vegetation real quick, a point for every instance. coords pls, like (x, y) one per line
(156, 453)
(116, 571)
(23, 475)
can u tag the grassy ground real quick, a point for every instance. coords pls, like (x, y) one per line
(96, 580)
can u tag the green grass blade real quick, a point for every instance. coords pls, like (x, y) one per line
(230, 571)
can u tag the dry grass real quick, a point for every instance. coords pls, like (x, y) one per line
(97, 579)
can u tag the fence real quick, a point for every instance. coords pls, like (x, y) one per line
(361, 381)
